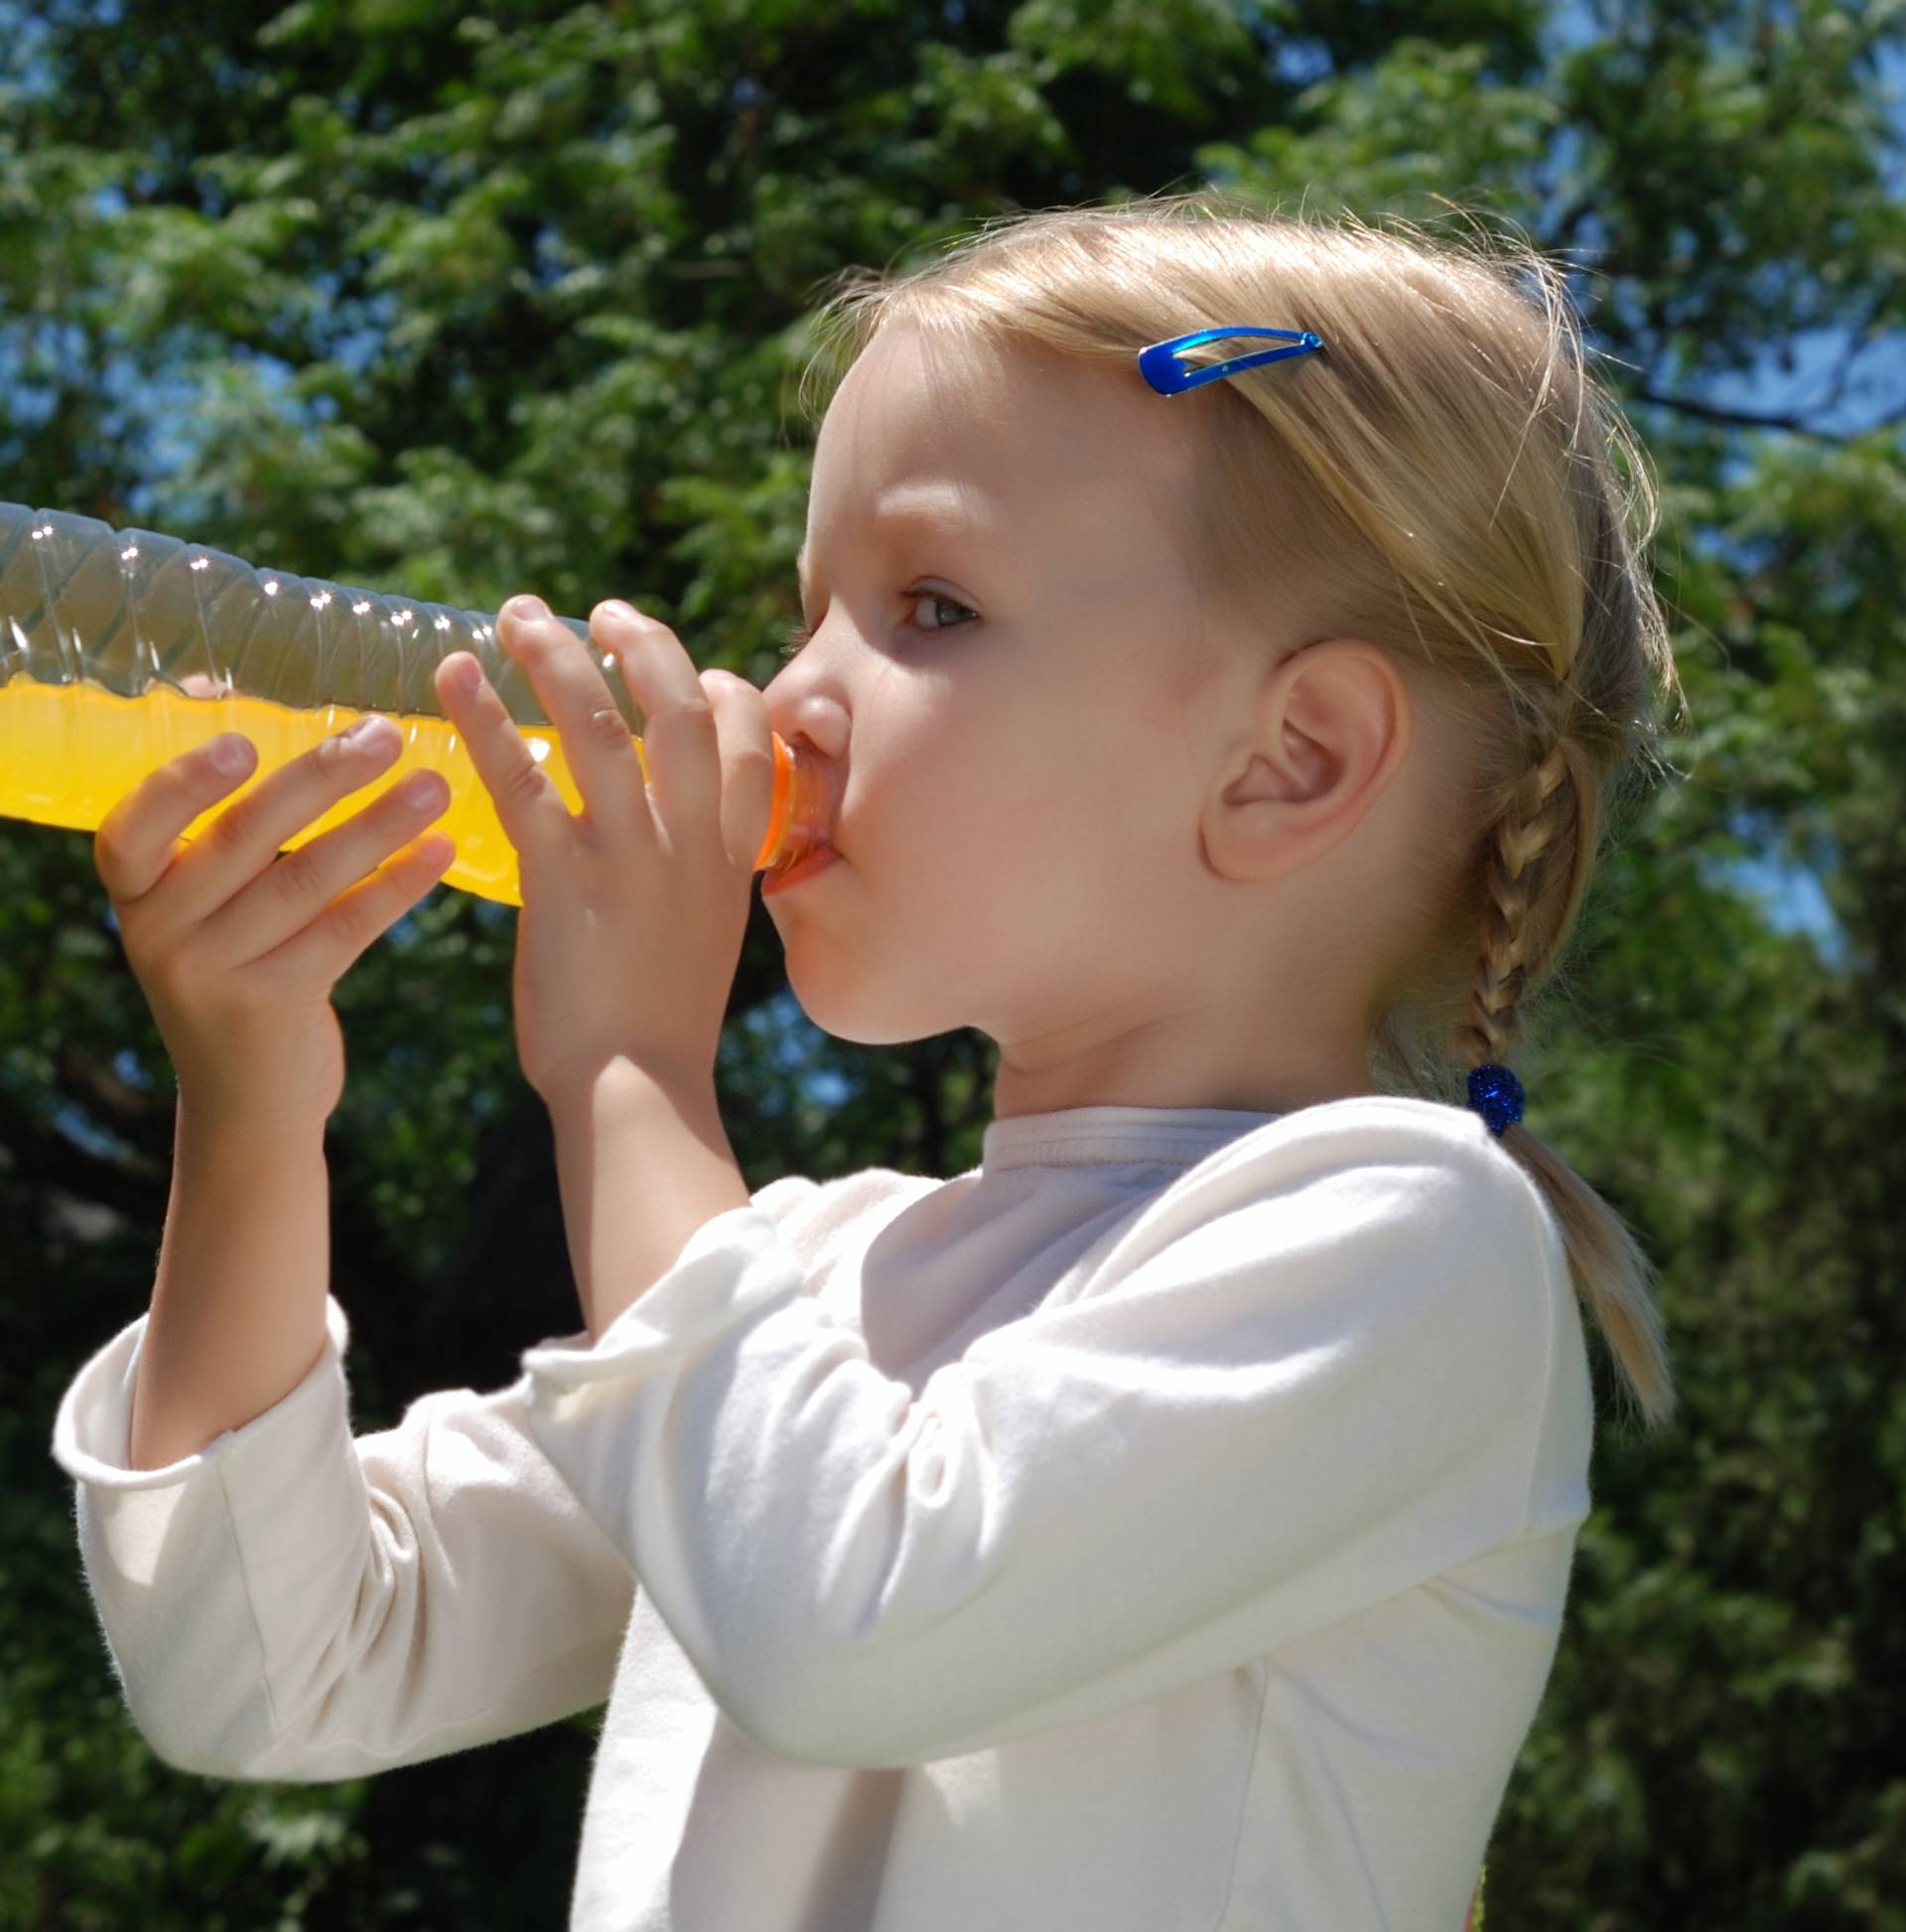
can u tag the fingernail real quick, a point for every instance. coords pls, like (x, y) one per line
(230, 756)
(372, 734)
(467, 675)
(529, 606)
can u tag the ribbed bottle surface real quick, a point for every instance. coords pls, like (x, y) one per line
(119, 649)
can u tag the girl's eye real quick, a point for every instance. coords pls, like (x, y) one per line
(933, 597)
(800, 634)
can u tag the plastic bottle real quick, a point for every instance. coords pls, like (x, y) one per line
(119, 649)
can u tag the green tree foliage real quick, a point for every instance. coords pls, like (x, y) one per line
(465, 303)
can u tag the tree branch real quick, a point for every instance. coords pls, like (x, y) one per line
(1747, 419)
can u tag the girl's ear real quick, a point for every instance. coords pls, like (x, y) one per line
(1326, 731)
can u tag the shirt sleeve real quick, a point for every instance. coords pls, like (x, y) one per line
(1315, 1382)
(295, 1603)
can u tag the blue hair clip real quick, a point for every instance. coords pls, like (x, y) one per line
(1159, 366)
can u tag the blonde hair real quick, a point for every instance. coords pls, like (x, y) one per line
(1463, 472)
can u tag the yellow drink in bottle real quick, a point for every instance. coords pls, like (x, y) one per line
(120, 650)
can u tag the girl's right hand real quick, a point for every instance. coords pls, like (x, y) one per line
(238, 948)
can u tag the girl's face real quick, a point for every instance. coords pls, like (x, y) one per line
(1006, 664)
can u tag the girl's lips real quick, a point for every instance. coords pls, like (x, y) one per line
(814, 863)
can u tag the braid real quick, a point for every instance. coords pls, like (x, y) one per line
(1534, 823)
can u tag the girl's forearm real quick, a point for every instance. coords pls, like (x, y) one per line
(641, 1168)
(237, 1317)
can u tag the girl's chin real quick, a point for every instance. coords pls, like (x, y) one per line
(850, 1012)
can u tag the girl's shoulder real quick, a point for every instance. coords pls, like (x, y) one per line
(1436, 1166)
(1375, 1128)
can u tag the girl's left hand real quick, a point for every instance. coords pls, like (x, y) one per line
(633, 908)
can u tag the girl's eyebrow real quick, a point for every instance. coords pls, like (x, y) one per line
(913, 509)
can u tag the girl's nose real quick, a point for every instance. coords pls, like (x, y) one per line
(801, 714)
(813, 715)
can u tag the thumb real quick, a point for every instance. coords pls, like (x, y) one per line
(748, 766)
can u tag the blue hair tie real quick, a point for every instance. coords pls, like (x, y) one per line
(1159, 366)
(1496, 1094)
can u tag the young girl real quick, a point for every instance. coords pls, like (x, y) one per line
(1167, 1523)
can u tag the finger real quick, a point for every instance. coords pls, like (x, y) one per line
(289, 895)
(680, 742)
(532, 811)
(571, 690)
(747, 764)
(248, 834)
(140, 848)
(138, 838)
(326, 948)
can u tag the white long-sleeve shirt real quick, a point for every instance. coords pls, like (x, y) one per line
(1162, 1527)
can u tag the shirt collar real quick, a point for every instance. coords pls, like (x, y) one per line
(1081, 1137)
